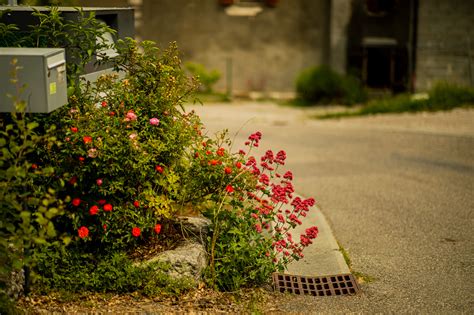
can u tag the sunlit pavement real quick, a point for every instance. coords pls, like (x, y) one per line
(396, 189)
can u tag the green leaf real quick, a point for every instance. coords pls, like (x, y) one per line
(51, 232)
(32, 125)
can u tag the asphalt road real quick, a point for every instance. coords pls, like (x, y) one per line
(397, 190)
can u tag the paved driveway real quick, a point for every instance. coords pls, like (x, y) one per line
(398, 191)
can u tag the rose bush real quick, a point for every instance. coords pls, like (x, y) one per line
(124, 148)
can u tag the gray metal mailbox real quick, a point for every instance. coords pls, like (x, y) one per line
(43, 71)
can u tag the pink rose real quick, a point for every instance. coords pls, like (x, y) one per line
(154, 121)
(130, 116)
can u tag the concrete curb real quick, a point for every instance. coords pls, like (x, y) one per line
(323, 257)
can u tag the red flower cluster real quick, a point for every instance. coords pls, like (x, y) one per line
(271, 200)
(136, 231)
(93, 210)
(83, 232)
(157, 228)
(108, 207)
(87, 139)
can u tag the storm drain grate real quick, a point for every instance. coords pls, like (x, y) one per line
(344, 284)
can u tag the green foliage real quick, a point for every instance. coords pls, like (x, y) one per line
(28, 195)
(322, 85)
(206, 77)
(443, 96)
(78, 37)
(125, 144)
(446, 95)
(76, 271)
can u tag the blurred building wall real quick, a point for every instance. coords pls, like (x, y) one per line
(266, 51)
(445, 42)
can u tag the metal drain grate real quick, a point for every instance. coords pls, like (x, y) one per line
(344, 284)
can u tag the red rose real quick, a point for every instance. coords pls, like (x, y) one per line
(99, 182)
(87, 139)
(104, 226)
(136, 204)
(112, 114)
(74, 129)
(229, 188)
(83, 232)
(94, 210)
(228, 170)
(136, 231)
(34, 166)
(104, 103)
(238, 165)
(108, 207)
(157, 228)
(81, 159)
(213, 162)
(208, 152)
(76, 202)
(220, 151)
(102, 202)
(159, 169)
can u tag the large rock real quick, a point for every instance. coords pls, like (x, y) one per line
(187, 260)
(195, 228)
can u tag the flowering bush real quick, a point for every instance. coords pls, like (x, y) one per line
(123, 147)
(253, 213)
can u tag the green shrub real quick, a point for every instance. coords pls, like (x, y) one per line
(447, 95)
(29, 200)
(206, 77)
(76, 271)
(322, 85)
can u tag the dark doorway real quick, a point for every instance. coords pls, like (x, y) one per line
(379, 67)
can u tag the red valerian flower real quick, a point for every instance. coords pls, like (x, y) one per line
(229, 189)
(83, 232)
(93, 210)
(159, 169)
(108, 207)
(228, 170)
(74, 129)
(136, 231)
(87, 139)
(136, 204)
(157, 228)
(288, 175)
(76, 202)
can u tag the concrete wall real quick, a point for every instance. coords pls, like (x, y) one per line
(267, 51)
(444, 30)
